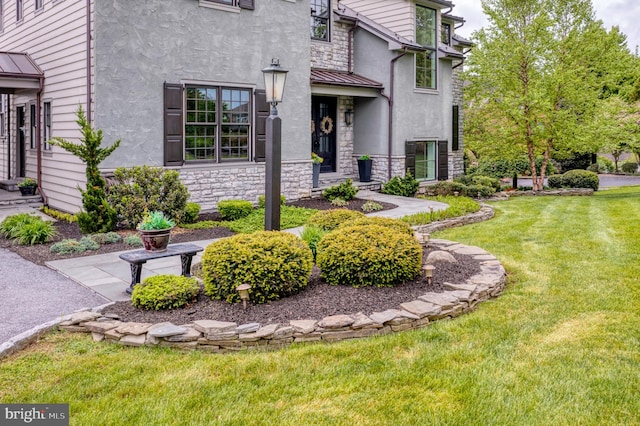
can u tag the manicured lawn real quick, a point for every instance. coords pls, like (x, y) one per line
(561, 346)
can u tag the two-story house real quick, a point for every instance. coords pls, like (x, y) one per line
(180, 83)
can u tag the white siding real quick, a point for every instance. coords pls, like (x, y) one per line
(55, 38)
(396, 15)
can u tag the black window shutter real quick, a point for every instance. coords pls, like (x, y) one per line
(455, 137)
(246, 4)
(262, 113)
(410, 157)
(173, 125)
(443, 161)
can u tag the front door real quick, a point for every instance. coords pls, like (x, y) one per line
(323, 131)
(22, 150)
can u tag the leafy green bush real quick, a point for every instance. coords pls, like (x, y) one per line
(486, 181)
(580, 179)
(191, 212)
(136, 190)
(605, 165)
(444, 188)
(234, 209)
(502, 168)
(595, 168)
(27, 229)
(328, 220)
(368, 255)
(629, 167)
(275, 264)
(396, 225)
(164, 292)
(311, 235)
(106, 238)
(479, 191)
(371, 206)
(458, 206)
(133, 241)
(339, 202)
(406, 186)
(262, 201)
(554, 181)
(345, 190)
(72, 246)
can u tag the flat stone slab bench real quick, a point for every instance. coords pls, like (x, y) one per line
(139, 257)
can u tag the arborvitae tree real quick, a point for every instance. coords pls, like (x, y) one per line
(98, 216)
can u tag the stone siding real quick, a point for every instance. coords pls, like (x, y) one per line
(345, 139)
(208, 186)
(332, 55)
(456, 158)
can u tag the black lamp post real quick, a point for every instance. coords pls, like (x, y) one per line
(274, 78)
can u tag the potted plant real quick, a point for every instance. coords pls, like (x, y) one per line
(28, 186)
(155, 231)
(364, 168)
(317, 161)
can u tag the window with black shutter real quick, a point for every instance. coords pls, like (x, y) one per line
(173, 125)
(262, 113)
(455, 126)
(443, 160)
(410, 157)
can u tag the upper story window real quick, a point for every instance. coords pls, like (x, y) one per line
(39, 4)
(218, 123)
(47, 126)
(19, 10)
(426, 36)
(445, 34)
(320, 14)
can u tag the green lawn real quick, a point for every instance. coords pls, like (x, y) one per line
(561, 346)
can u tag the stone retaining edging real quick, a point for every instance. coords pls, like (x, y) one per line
(221, 336)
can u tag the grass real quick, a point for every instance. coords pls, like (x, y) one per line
(458, 206)
(561, 346)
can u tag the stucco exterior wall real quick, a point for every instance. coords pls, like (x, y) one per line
(140, 45)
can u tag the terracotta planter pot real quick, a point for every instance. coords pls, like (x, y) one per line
(155, 240)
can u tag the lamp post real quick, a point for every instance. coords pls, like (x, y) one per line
(274, 78)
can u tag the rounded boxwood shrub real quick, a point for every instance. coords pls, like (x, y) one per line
(345, 190)
(191, 212)
(629, 167)
(368, 255)
(475, 191)
(554, 181)
(275, 265)
(580, 179)
(445, 188)
(328, 220)
(164, 292)
(234, 209)
(394, 224)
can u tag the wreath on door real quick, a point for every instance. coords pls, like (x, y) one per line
(326, 125)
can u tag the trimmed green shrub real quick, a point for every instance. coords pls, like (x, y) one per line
(479, 191)
(394, 224)
(164, 292)
(262, 201)
(328, 220)
(444, 188)
(275, 264)
(72, 246)
(234, 209)
(502, 168)
(368, 255)
(605, 165)
(555, 181)
(345, 190)
(486, 181)
(595, 168)
(133, 241)
(580, 179)
(629, 167)
(136, 190)
(107, 238)
(191, 212)
(406, 186)
(312, 235)
(371, 206)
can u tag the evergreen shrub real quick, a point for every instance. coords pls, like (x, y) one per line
(393, 224)
(234, 209)
(580, 179)
(191, 212)
(629, 167)
(555, 181)
(275, 265)
(368, 255)
(164, 292)
(406, 186)
(328, 220)
(262, 201)
(345, 190)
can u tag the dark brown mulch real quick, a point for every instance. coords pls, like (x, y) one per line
(322, 204)
(317, 301)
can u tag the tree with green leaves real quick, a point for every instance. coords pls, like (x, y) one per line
(536, 76)
(98, 216)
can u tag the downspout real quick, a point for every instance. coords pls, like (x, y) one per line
(9, 137)
(39, 144)
(462, 60)
(390, 102)
(350, 49)
(89, 61)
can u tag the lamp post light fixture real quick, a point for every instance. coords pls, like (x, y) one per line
(243, 291)
(428, 272)
(274, 79)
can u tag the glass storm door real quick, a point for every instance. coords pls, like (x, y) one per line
(323, 131)
(22, 150)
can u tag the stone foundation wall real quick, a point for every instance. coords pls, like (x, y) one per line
(247, 182)
(379, 170)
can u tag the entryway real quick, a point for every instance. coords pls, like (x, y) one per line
(323, 131)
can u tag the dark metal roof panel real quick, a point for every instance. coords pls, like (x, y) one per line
(18, 65)
(342, 78)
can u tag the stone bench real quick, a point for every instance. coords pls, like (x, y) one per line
(139, 257)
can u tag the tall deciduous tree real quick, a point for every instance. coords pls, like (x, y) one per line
(536, 77)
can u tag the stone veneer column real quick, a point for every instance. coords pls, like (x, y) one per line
(344, 141)
(456, 158)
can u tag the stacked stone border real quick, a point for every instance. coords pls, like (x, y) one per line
(220, 336)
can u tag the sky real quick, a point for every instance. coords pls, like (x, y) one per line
(623, 13)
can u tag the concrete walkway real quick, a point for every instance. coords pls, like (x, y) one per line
(109, 276)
